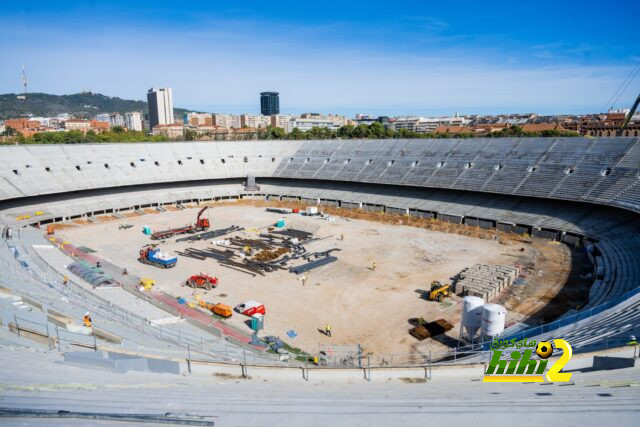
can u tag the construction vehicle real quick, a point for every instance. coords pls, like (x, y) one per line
(202, 281)
(147, 283)
(154, 256)
(201, 224)
(439, 291)
(219, 309)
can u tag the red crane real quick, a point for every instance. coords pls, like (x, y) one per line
(200, 225)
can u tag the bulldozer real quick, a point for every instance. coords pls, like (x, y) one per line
(439, 291)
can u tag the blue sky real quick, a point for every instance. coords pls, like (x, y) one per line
(373, 57)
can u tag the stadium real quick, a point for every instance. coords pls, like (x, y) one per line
(396, 215)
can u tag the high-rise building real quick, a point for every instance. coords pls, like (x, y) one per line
(160, 102)
(269, 103)
(133, 120)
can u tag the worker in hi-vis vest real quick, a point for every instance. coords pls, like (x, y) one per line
(87, 320)
(327, 330)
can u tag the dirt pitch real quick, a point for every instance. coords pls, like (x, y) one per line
(365, 307)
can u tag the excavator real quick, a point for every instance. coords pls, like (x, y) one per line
(439, 291)
(200, 225)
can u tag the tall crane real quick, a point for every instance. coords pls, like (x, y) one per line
(629, 116)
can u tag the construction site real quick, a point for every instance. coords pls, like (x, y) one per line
(378, 280)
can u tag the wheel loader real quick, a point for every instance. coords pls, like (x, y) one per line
(439, 291)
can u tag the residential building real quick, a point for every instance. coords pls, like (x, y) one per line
(254, 121)
(453, 130)
(198, 119)
(133, 120)
(226, 121)
(429, 124)
(77, 124)
(116, 119)
(160, 102)
(540, 127)
(409, 123)
(98, 126)
(280, 120)
(171, 131)
(269, 103)
(310, 120)
(21, 125)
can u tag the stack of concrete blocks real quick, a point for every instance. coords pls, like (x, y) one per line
(485, 281)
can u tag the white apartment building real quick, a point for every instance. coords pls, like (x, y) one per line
(255, 121)
(227, 121)
(133, 120)
(160, 101)
(428, 124)
(116, 119)
(306, 122)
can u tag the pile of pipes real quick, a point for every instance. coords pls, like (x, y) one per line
(230, 259)
(210, 234)
(485, 281)
(275, 250)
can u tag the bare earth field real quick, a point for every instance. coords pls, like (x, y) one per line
(365, 307)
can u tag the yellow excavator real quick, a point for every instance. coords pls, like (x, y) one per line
(439, 291)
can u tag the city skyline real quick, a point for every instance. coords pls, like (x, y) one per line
(376, 60)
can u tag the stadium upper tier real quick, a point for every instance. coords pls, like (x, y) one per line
(603, 171)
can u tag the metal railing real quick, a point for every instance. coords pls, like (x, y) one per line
(50, 279)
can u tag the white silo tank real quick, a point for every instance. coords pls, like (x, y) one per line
(493, 317)
(471, 319)
(472, 311)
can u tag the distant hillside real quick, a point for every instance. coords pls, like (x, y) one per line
(85, 104)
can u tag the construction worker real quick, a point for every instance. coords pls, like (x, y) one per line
(98, 265)
(341, 237)
(632, 341)
(373, 266)
(327, 330)
(87, 320)
(124, 272)
(65, 280)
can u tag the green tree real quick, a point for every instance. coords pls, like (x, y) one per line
(297, 134)
(9, 131)
(376, 130)
(361, 131)
(190, 135)
(345, 131)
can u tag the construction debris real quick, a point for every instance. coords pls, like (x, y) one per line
(267, 255)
